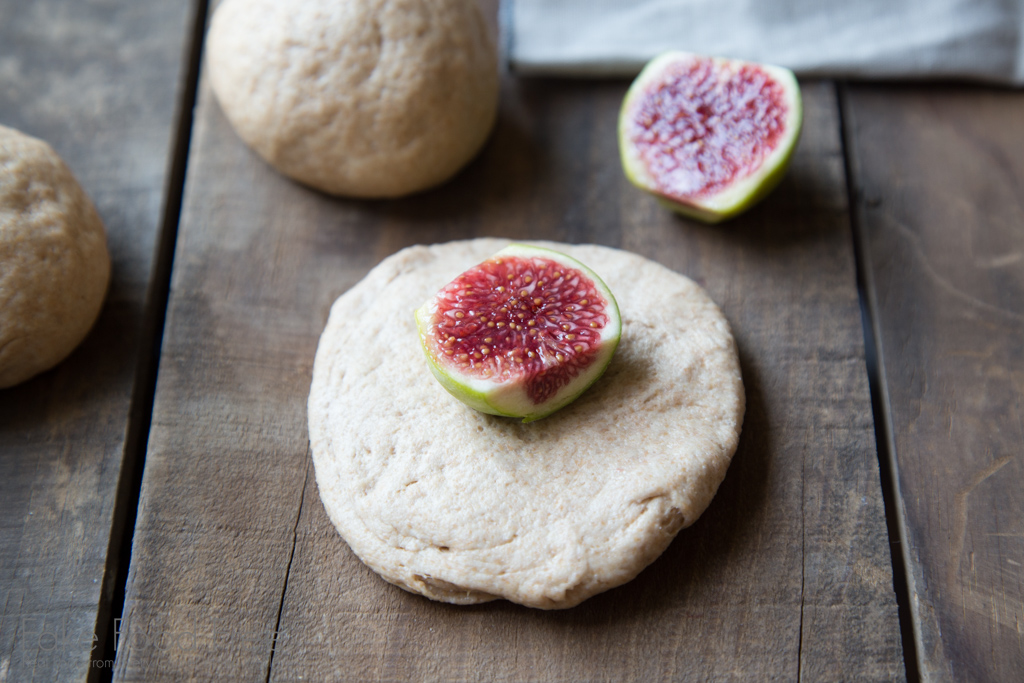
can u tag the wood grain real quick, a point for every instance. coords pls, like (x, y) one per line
(236, 573)
(939, 174)
(101, 81)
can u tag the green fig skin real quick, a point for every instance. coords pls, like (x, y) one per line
(747, 191)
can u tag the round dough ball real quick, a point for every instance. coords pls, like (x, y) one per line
(54, 265)
(465, 507)
(364, 98)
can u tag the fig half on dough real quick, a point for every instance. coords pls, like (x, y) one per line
(522, 334)
(708, 136)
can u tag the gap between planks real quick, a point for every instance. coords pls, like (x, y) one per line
(119, 549)
(288, 569)
(884, 444)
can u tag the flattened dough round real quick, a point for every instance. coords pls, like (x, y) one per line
(54, 265)
(364, 98)
(465, 507)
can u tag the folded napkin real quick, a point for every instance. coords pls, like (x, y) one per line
(876, 39)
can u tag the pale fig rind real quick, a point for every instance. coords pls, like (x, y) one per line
(509, 398)
(743, 192)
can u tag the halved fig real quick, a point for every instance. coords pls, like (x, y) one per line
(522, 334)
(709, 137)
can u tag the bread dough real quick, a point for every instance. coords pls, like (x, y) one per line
(365, 98)
(54, 265)
(466, 507)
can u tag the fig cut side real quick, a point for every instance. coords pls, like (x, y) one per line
(522, 334)
(708, 136)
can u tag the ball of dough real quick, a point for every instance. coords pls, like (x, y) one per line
(54, 265)
(364, 98)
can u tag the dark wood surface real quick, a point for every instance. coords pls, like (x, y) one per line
(787, 574)
(939, 173)
(102, 82)
(237, 574)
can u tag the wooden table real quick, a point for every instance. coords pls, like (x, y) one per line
(157, 495)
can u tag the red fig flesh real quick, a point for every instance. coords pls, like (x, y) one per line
(521, 334)
(709, 136)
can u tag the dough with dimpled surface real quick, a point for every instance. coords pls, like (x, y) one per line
(54, 264)
(364, 98)
(465, 507)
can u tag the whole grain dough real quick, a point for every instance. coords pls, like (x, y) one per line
(364, 98)
(465, 507)
(54, 265)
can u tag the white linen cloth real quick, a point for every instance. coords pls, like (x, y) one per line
(872, 39)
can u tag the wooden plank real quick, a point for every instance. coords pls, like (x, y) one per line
(101, 81)
(939, 175)
(236, 573)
